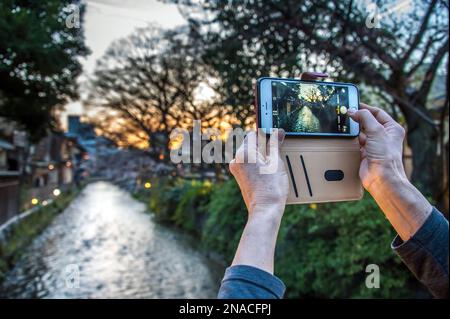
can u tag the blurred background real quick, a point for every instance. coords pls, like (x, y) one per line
(91, 205)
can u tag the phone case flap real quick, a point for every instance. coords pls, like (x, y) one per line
(322, 169)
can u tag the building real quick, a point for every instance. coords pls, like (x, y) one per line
(54, 163)
(33, 171)
(9, 182)
(94, 145)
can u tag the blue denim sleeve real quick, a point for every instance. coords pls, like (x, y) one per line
(426, 254)
(247, 282)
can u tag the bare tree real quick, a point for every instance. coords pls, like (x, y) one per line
(149, 82)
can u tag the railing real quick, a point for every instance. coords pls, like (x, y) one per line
(9, 195)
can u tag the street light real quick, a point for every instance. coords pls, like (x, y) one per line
(56, 192)
(34, 201)
(148, 185)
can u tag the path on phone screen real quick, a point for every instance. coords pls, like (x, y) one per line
(104, 245)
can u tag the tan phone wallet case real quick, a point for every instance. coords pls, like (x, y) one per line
(322, 169)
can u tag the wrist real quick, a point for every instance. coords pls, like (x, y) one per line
(387, 178)
(404, 206)
(265, 219)
(257, 245)
(266, 212)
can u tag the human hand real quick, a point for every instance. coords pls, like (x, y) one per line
(382, 172)
(264, 192)
(381, 142)
(264, 186)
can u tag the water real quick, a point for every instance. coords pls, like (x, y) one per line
(104, 245)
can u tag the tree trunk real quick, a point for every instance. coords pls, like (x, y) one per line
(427, 174)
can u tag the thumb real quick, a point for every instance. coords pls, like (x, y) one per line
(367, 122)
(275, 141)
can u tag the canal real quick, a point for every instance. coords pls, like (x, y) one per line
(105, 245)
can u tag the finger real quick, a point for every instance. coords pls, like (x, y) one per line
(232, 166)
(235, 170)
(275, 141)
(362, 152)
(367, 122)
(242, 150)
(247, 152)
(362, 137)
(262, 143)
(381, 115)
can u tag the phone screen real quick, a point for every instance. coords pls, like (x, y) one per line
(310, 108)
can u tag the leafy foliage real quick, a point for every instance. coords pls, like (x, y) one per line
(163, 191)
(226, 218)
(185, 202)
(398, 61)
(39, 61)
(322, 250)
(326, 248)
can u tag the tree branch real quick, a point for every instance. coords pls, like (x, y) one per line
(430, 42)
(419, 35)
(422, 93)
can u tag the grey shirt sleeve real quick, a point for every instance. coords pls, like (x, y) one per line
(426, 254)
(247, 282)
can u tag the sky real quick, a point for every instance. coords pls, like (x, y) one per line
(109, 20)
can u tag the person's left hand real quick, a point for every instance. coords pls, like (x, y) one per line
(262, 178)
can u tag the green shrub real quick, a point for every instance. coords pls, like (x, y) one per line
(191, 211)
(181, 202)
(226, 218)
(322, 250)
(163, 199)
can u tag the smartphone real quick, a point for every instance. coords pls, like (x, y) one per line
(310, 108)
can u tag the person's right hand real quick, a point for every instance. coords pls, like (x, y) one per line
(381, 142)
(382, 173)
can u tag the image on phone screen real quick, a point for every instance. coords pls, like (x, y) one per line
(310, 108)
